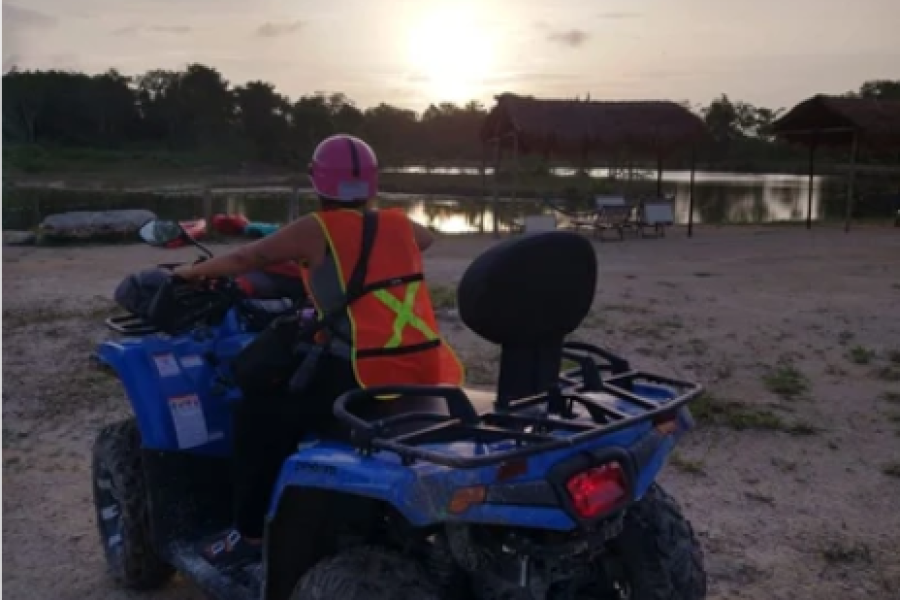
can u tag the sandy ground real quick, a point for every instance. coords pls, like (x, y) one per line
(792, 478)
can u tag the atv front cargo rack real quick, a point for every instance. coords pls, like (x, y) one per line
(606, 392)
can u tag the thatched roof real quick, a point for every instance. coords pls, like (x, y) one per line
(645, 128)
(834, 121)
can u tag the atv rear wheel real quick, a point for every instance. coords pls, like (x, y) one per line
(659, 552)
(123, 516)
(366, 573)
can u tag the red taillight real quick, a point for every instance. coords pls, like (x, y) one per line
(597, 490)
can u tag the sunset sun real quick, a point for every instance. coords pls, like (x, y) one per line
(451, 53)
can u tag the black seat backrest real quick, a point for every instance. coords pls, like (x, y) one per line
(526, 294)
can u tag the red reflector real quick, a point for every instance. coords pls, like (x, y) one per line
(597, 490)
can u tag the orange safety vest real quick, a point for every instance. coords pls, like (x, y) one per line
(395, 338)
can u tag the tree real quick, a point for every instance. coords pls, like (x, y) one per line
(881, 89)
(262, 116)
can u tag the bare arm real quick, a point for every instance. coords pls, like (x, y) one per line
(424, 237)
(301, 240)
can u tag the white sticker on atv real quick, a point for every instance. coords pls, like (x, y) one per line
(166, 365)
(190, 424)
(189, 362)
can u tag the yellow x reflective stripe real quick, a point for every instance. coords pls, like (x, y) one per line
(405, 316)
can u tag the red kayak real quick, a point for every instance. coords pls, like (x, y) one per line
(196, 229)
(230, 224)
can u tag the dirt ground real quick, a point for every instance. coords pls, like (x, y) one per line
(792, 478)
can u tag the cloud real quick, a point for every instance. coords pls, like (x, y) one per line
(173, 29)
(167, 29)
(618, 15)
(271, 30)
(572, 38)
(18, 25)
(25, 18)
(525, 77)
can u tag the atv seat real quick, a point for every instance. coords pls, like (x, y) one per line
(272, 306)
(526, 295)
(373, 410)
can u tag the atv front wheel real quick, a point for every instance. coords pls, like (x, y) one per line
(123, 516)
(366, 573)
(659, 553)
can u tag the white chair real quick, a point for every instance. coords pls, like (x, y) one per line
(657, 214)
(602, 202)
(539, 223)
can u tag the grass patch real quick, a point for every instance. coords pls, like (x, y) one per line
(758, 497)
(891, 469)
(10, 437)
(860, 355)
(891, 397)
(801, 428)
(786, 381)
(698, 346)
(785, 466)
(835, 371)
(443, 297)
(735, 415)
(724, 371)
(43, 314)
(846, 553)
(710, 410)
(888, 373)
(629, 309)
(670, 323)
(686, 465)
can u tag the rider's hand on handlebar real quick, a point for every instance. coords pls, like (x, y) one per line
(185, 272)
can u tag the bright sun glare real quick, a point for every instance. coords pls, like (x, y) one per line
(454, 53)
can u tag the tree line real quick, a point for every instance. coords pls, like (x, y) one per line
(197, 110)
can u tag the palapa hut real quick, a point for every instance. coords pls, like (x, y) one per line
(581, 128)
(845, 122)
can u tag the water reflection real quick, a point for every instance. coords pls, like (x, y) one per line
(718, 198)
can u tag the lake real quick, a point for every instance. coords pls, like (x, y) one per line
(719, 198)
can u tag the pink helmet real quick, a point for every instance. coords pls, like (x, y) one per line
(344, 168)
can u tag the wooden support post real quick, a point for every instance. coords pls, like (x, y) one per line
(690, 231)
(809, 197)
(495, 203)
(208, 206)
(851, 187)
(659, 173)
(515, 189)
(293, 205)
(483, 170)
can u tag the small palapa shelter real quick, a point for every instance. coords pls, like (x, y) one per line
(582, 128)
(844, 122)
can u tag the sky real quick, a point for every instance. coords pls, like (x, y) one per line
(410, 53)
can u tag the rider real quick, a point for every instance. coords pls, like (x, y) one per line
(390, 333)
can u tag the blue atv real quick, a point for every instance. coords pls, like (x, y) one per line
(544, 489)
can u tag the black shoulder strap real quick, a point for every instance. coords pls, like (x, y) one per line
(356, 284)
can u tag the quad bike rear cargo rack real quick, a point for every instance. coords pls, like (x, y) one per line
(596, 388)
